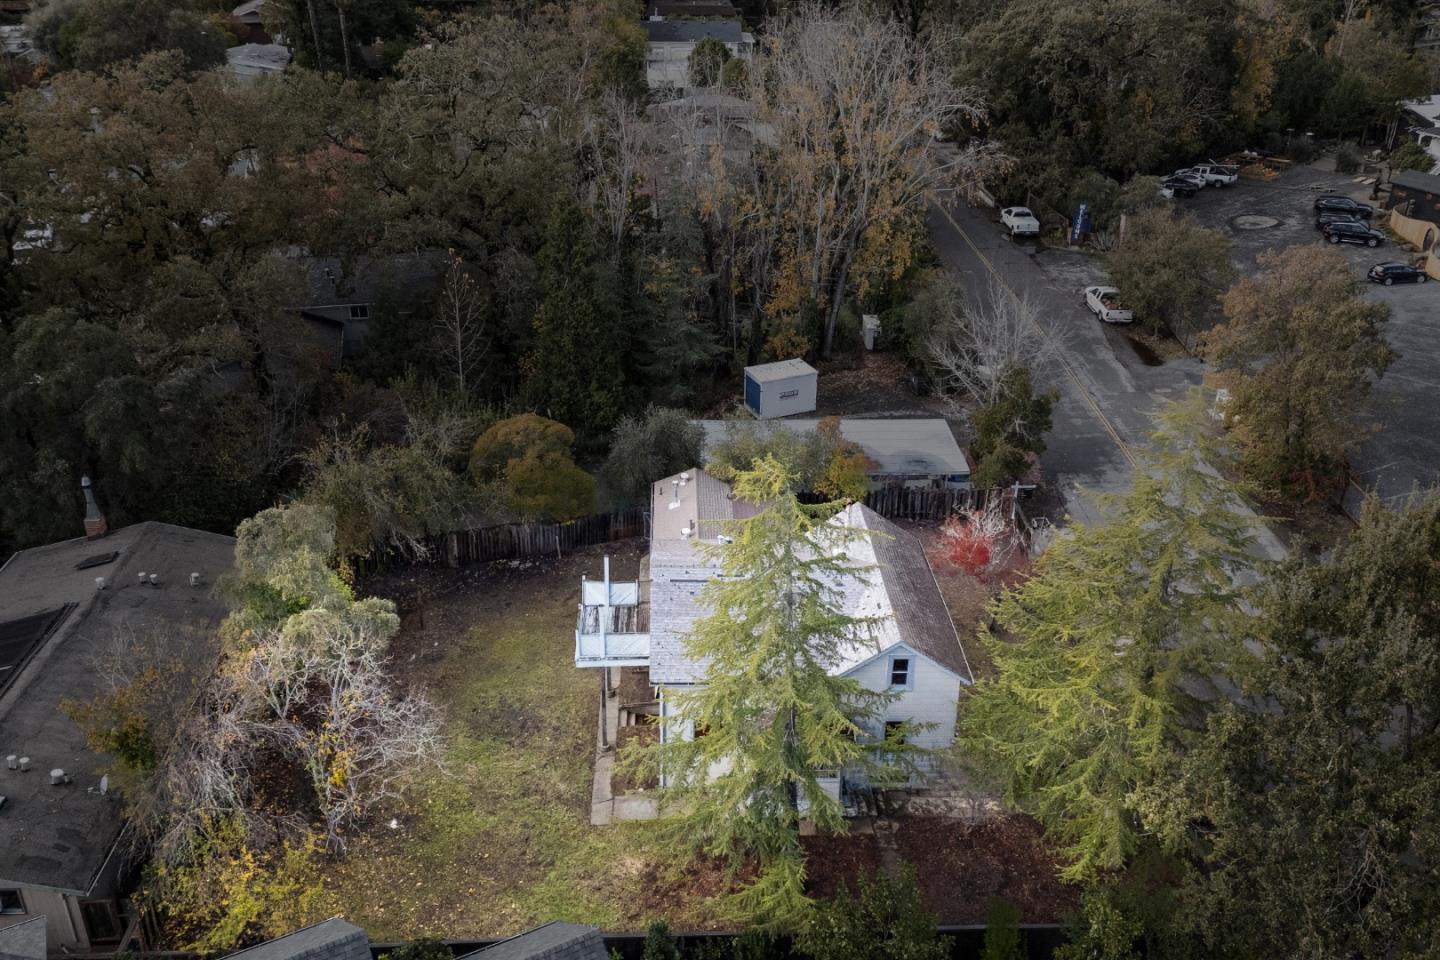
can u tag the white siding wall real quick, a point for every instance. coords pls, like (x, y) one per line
(63, 926)
(931, 699)
(786, 398)
(667, 64)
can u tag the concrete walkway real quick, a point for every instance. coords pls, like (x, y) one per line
(605, 807)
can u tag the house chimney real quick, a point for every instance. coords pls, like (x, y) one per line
(95, 525)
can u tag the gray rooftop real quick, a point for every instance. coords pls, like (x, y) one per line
(333, 939)
(898, 447)
(24, 940)
(692, 8)
(333, 282)
(60, 836)
(1415, 180)
(693, 31)
(891, 580)
(551, 941)
(780, 370)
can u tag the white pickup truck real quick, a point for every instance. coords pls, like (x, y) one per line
(1104, 302)
(1216, 174)
(1021, 221)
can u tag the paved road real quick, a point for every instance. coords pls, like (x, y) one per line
(1107, 392)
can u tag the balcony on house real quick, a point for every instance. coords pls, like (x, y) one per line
(612, 628)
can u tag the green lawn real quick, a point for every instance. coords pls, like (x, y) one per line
(502, 839)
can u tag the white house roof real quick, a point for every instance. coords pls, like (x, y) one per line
(780, 370)
(898, 447)
(1428, 108)
(892, 581)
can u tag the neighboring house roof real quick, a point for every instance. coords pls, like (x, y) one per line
(333, 939)
(249, 11)
(249, 60)
(1427, 108)
(892, 581)
(1415, 180)
(691, 8)
(723, 106)
(779, 370)
(551, 941)
(693, 31)
(24, 940)
(899, 447)
(60, 836)
(331, 282)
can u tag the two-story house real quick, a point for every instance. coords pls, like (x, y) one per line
(642, 624)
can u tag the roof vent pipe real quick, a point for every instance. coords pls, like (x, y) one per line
(99, 583)
(58, 778)
(194, 579)
(24, 764)
(12, 762)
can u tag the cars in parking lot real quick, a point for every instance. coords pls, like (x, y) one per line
(1393, 271)
(1338, 204)
(1326, 217)
(1217, 174)
(1190, 174)
(1353, 232)
(1177, 187)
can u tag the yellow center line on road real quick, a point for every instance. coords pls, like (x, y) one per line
(1039, 331)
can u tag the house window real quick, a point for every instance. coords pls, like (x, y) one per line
(893, 732)
(11, 902)
(360, 311)
(900, 673)
(102, 921)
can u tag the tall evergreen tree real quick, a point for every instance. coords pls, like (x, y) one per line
(773, 715)
(1320, 793)
(1104, 657)
(575, 372)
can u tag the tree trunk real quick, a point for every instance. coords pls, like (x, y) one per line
(344, 37)
(837, 298)
(315, 36)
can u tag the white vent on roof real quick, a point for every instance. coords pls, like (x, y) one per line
(12, 762)
(24, 764)
(194, 579)
(58, 778)
(685, 532)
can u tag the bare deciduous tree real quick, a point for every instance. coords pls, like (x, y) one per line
(974, 341)
(854, 109)
(461, 316)
(623, 150)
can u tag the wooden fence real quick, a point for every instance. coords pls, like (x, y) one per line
(901, 503)
(519, 541)
(523, 541)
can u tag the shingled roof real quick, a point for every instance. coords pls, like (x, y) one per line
(892, 581)
(333, 939)
(24, 940)
(60, 836)
(551, 941)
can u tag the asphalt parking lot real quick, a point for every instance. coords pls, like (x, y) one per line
(1404, 450)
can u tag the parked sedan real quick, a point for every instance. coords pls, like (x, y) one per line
(1339, 204)
(1189, 174)
(1178, 187)
(1393, 271)
(1353, 233)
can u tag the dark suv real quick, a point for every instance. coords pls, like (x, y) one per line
(1394, 272)
(1339, 204)
(1353, 233)
(1326, 217)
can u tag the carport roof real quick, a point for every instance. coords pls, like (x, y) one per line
(1415, 180)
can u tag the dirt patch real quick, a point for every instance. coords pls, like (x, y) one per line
(877, 383)
(960, 868)
(835, 861)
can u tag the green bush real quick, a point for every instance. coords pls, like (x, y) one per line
(1411, 156)
(1002, 932)
(1347, 158)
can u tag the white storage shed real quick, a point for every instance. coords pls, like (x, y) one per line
(780, 389)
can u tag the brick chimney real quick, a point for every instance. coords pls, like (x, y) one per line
(95, 525)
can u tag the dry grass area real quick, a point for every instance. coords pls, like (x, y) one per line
(501, 840)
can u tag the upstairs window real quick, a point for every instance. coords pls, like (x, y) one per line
(900, 672)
